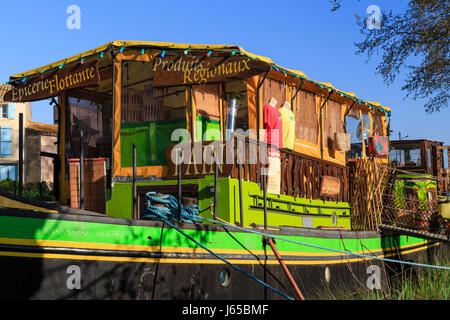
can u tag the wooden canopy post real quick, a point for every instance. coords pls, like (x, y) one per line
(240, 155)
(20, 154)
(180, 192)
(135, 211)
(216, 174)
(191, 101)
(81, 205)
(258, 113)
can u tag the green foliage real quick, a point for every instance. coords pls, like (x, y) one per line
(422, 284)
(400, 194)
(422, 32)
(36, 191)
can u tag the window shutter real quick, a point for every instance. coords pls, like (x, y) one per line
(1, 142)
(11, 111)
(5, 145)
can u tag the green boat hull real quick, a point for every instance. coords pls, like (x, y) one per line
(72, 256)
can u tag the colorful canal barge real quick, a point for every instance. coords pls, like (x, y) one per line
(127, 109)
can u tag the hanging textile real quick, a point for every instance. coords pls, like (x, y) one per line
(273, 126)
(288, 128)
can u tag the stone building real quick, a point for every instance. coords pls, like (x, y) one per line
(9, 136)
(40, 141)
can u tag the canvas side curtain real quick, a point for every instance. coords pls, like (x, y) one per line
(306, 118)
(149, 115)
(332, 123)
(93, 114)
(207, 101)
(141, 105)
(148, 122)
(272, 88)
(378, 129)
(151, 139)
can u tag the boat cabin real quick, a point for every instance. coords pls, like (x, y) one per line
(423, 157)
(253, 143)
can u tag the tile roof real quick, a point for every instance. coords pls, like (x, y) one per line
(43, 127)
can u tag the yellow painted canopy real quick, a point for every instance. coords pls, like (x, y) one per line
(180, 46)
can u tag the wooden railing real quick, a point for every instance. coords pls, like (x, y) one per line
(300, 174)
(252, 157)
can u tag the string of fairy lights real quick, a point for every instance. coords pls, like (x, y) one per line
(209, 53)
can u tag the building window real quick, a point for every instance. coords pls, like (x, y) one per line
(429, 158)
(5, 111)
(444, 158)
(8, 111)
(407, 155)
(5, 142)
(8, 172)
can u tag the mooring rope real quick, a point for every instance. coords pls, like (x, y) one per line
(159, 209)
(324, 248)
(188, 214)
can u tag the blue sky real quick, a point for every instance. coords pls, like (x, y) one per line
(301, 35)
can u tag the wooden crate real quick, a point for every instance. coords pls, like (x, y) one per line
(94, 184)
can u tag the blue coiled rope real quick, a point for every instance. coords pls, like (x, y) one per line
(169, 208)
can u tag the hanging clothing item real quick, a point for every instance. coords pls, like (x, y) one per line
(288, 122)
(273, 125)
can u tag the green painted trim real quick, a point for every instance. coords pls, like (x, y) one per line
(120, 206)
(115, 234)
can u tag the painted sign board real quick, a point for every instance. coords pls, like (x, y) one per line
(187, 70)
(330, 186)
(51, 84)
